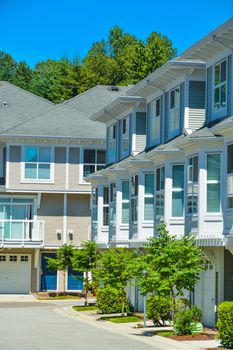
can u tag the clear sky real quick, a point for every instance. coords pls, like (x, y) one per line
(35, 30)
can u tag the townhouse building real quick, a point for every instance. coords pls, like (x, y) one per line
(170, 160)
(45, 152)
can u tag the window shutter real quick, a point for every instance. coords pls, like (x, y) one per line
(209, 88)
(148, 126)
(107, 145)
(166, 116)
(229, 87)
(181, 107)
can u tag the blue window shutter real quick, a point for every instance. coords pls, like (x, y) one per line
(209, 88)
(148, 125)
(181, 107)
(107, 145)
(229, 87)
(166, 116)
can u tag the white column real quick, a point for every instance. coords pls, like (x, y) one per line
(67, 169)
(65, 219)
(202, 192)
(140, 202)
(168, 194)
(118, 208)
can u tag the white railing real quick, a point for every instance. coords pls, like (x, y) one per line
(21, 231)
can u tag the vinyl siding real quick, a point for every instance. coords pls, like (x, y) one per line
(78, 217)
(196, 104)
(140, 131)
(74, 159)
(51, 211)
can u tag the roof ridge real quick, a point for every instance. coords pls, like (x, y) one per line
(27, 92)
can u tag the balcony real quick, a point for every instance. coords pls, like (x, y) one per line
(21, 233)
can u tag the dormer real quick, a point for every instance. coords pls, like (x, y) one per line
(126, 127)
(175, 95)
(216, 50)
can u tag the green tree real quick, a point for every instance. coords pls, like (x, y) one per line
(7, 67)
(115, 270)
(84, 260)
(23, 75)
(56, 80)
(62, 261)
(168, 265)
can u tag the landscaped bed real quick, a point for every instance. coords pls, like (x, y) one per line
(206, 335)
(122, 319)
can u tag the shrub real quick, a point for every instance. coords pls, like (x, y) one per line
(110, 300)
(182, 304)
(158, 308)
(225, 324)
(186, 320)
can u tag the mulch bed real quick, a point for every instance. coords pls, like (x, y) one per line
(190, 337)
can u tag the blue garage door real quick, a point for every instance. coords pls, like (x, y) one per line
(48, 277)
(73, 282)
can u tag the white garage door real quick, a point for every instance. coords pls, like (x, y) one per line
(15, 273)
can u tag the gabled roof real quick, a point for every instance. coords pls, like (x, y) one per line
(25, 114)
(96, 98)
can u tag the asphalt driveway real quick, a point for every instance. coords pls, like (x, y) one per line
(39, 326)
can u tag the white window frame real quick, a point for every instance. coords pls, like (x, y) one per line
(112, 143)
(23, 163)
(155, 118)
(94, 208)
(160, 193)
(125, 136)
(125, 201)
(172, 113)
(220, 110)
(112, 202)
(213, 182)
(81, 165)
(95, 164)
(134, 199)
(192, 185)
(229, 183)
(105, 205)
(178, 189)
(148, 195)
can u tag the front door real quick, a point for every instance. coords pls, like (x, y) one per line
(48, 277)
(74, 280)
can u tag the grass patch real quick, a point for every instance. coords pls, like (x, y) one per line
(59, 297)
(164, 333)
(122, 319)
(85, 308)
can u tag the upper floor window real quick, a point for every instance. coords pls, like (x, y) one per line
(94, 208)
(112, 143)
(134, 199)
(105, 205)
(174, 111)
(149, 197)
(192, 193)
(178, 191)
(213, 182)
(125, 135)
(155, 121)
(37, 163)
(220, 85)
(159, 192)
(230, 177)
(112, 204)
(93, 160)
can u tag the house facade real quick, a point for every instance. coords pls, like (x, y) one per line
(45, 152)
(170, 160)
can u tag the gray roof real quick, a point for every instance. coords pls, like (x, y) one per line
(96, 98)
(26, 114)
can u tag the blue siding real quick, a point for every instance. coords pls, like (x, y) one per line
(48, 277)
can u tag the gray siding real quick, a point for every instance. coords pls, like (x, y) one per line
(228, 275)
(15, 154)
(196, 104)
(140, 131)
(229, 87)
(209, 95)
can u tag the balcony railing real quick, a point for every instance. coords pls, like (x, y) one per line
(21, 232)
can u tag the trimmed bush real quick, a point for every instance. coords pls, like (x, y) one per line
(110, 300)
(225, 324)
(158, 309)
(186, 320)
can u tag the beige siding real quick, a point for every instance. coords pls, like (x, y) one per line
(78, 218)
(51, 211)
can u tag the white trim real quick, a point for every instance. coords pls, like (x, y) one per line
(67, 167)
(7, 164)
(65, 219)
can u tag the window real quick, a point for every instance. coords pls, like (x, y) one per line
(13, 258)
(37, 164)
(112, 143)
(94, 208)
(112, 204)
(155, 117)
(2, 257)
(125, 135)
(149, 197)
(159, 192)
(177, 190)
(213, 183)
(174, 112)
(230, 177)
(134, 199)
(105, 205)
(125, 201)
(24, 258)
(192, 195)
(93, 160)
(220, 85)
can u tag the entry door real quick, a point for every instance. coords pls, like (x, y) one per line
(48, 277)
(74, 283)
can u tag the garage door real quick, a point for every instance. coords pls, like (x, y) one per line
(15, 273)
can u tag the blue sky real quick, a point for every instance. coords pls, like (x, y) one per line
(35, 30)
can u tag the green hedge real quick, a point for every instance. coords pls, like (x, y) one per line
(186, 320)
(110, 300)
(158, 308)
(225, 324)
